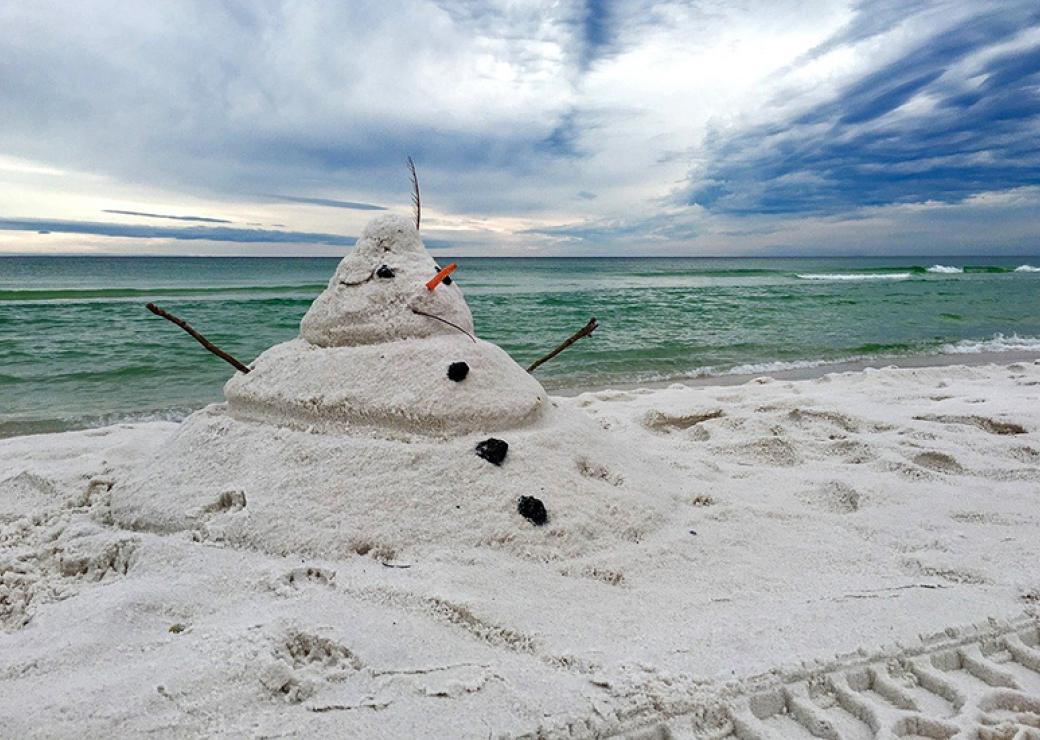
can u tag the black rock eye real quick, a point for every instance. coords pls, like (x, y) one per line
(532, 509)
(493, 450)
(385, 272)
(458, 371)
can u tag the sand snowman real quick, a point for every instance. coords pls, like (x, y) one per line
(388, 429)
(387, 348)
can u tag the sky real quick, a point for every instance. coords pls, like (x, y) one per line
(716, 127)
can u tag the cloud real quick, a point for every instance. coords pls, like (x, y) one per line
(870, 19)
(636, 233)
(328, 202)
(563, 139)
(674, 122)
(217, 234)
(235, 98)
(597, 34)
(955, 114)
(202, 219)
(190, 233)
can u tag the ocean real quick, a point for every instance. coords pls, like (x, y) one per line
(78, 349)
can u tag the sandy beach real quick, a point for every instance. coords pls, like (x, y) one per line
(858, 549)
(520, 370)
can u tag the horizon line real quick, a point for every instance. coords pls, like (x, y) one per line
(1034, 255)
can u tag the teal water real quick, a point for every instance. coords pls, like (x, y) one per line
(78, 349)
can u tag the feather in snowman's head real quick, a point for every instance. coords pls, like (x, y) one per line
(379, 293)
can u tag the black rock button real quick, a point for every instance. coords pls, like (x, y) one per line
(458, 371)
(493, 450)
(532, 509)
(385, 271)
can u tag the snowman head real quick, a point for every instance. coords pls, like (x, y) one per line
(379, 292)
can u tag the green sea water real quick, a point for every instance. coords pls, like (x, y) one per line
(78, 349)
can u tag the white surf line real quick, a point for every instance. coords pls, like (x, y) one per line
(854, 277)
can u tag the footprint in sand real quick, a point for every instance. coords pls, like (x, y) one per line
(665, 423)
(1025, 454)
(992, 426)
(834, 496)
(769, 451)
(809, 418)
(939, 462)
(597, 471)
(293, 581)
(303, 663)
(228, 501)
(985, 517)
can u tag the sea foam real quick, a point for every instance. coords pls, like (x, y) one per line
(854, 276)
(946, 269)
(997, 343)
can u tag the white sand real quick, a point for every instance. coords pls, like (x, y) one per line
(326, 556)
(848, 512)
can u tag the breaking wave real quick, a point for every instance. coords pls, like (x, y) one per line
(854, 276)
(996, 343)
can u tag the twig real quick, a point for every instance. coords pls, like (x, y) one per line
(416, 200)
(582, 332)
(443, 321)
(901, 588)
(198, 337)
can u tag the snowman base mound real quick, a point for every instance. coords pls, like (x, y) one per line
(334, 495)
(393, 388)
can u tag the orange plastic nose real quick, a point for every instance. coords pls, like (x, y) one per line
(436, 279)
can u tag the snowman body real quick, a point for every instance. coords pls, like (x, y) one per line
(358, 438)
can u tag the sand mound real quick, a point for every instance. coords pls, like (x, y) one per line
(367, 304)
(399, 386)
(284, 491)
(356, 439)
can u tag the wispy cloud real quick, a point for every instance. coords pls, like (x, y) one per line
(328, 202)
(201, 219)
(189, 233)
